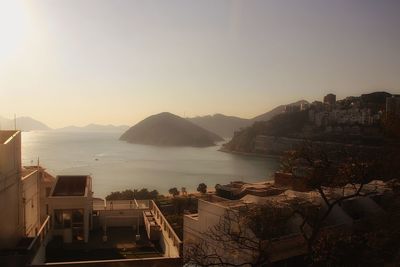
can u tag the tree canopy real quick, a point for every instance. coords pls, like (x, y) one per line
(130, 194)
(202, 188)
(173, 191)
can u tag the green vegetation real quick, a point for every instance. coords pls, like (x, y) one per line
(129, 194)
(173, 191)
(202, 188)
(266, 221)
(282, 125)
(174, 209)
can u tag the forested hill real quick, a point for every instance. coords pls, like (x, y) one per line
(166, 129)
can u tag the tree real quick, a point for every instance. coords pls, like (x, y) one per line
(174, 191)
(337, 176)
(376, 242)
(242, 237)
(202, 188)
(130, 194)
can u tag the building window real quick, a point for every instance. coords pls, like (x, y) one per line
(68, 218)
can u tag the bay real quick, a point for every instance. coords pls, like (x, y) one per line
(117, 165)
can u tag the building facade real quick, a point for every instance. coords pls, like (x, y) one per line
(11, 219)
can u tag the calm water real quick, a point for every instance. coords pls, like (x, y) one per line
(116, 165)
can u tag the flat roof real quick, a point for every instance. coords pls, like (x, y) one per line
(70, 186)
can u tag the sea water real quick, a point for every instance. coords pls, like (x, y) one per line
(117, 165)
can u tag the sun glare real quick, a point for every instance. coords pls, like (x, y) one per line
(13, 27)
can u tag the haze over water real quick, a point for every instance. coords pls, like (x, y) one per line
(116, 165)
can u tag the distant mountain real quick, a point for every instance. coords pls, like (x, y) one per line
(95, 128)
(226, 126)
(166, 129)
(23, 124)
(221, 124)
(278, 110)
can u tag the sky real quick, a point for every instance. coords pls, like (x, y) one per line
(76, 62)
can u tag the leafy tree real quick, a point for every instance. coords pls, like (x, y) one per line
(174, 191)
(346, 171)
(202, 188)
(130, 194)
(247, 232)
(376, 242)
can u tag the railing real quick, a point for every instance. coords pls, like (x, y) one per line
(166, 227)
(123, 205)
(40, 238)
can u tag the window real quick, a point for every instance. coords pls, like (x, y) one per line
(68, 218)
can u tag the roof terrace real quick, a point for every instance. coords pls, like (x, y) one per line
(120, 244)
(70, 186)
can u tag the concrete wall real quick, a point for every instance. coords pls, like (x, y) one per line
(69, 203)
(152, 262)
(120, 218)
(31, 203)
(169, 241)
(47, 181)
(11, 219)
(209, 215)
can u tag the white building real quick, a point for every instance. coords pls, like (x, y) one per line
(213, 209)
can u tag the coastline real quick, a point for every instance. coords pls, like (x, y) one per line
(273, 156)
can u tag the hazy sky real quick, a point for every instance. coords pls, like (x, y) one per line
(80, 61)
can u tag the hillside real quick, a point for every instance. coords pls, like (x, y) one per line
(226, 126)
(23, 124)
(285, 124)
(278, 110)
(221, 124)
(166, 129)
(352, 120)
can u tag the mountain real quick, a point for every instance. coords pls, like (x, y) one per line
(226, 126)
(166, 129)
(23, 124)
(95, 128)
(265, 135)
(281, 125)
(221, 124)
(278, 110)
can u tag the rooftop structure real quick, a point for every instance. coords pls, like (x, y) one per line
(212, 211)
(57, 220)
(71, 186)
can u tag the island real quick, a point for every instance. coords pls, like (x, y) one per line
(167, 129)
